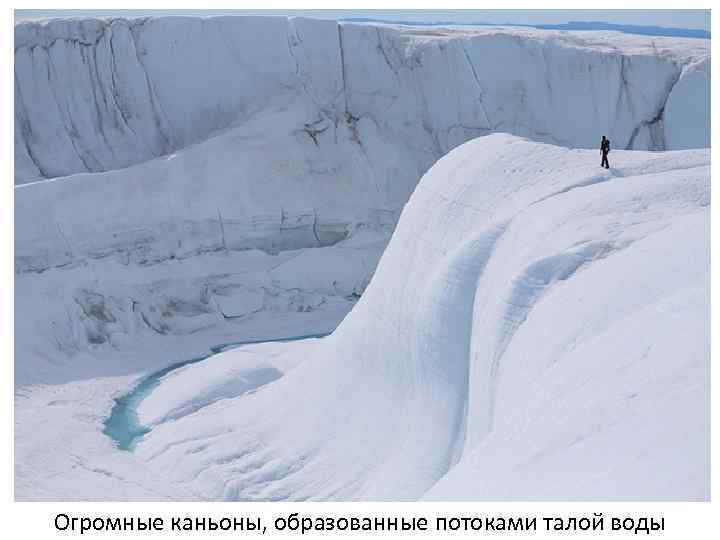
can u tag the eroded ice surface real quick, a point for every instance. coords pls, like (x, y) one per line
(536, 329)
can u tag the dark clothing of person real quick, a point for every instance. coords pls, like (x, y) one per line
(605, 150)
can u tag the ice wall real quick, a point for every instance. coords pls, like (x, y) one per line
(94, 95)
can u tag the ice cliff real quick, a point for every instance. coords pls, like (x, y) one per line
(94, 95)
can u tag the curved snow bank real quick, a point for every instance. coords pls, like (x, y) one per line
(220, 376)
(135, 413)
(93, 95)
(537, 328)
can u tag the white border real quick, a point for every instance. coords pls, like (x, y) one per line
(35, 520)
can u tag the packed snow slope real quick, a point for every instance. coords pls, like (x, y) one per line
(537, 328)
(95, 95)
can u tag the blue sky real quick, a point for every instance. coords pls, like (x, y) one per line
(685, 18)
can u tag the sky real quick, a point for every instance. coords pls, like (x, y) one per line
(676, 18)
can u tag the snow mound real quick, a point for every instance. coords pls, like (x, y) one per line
(537, 328)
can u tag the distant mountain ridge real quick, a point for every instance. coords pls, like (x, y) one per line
(571, 25)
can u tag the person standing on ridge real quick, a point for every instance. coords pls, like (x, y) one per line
(605, 150)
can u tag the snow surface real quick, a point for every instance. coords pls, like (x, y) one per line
(537, 328)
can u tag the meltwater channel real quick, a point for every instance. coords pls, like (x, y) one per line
(123, 425)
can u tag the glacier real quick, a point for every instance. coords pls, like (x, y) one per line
(187, 183)
(182, 175)
(537, 328)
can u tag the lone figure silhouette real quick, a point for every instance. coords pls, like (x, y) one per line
(605, 150)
